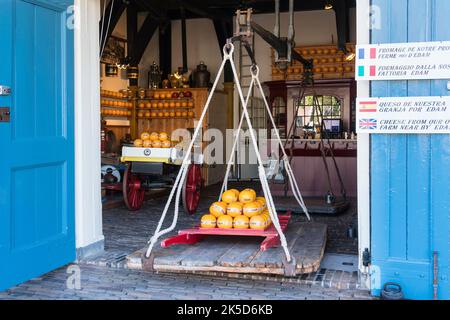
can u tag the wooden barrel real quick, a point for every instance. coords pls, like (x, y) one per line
(111, 70)
(133, 72)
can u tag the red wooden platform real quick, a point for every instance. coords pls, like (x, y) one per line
(194, 235)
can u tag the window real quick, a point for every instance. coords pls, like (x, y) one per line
(329, 107)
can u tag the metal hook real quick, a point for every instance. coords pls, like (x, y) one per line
(228, 48)
(254, 70)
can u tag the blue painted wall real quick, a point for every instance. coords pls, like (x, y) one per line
(410, 174)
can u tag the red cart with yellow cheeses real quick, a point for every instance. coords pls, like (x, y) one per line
(157, 168)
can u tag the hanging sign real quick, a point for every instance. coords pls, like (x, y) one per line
(403, 61)
(403, 115)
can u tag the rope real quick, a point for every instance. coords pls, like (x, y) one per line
(186, 162)
(262, 174)
(291, 176)
(228, 56)
(107, 29)
(293, 182)
(235, 143)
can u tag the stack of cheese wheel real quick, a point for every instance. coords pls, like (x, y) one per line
(238, 210)
(153, 140)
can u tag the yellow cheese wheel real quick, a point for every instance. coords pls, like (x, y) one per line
(225, 222)
(251, 209)
(234, 209)
(241, 222)
(147, 144)
(154, 136)
(218, 208)
(229, 196)
(145, 136)
(156, 144)
(208, 221)
(263, 202)
(138, 143)
(163, 136)
(166, 144)
(247, 195)
(258, 222)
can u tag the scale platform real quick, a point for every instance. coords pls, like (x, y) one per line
(194, 235)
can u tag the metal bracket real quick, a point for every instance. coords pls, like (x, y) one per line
(243, 23)
(5, 114)
(147, 263)
(290, 267)
(5, 91)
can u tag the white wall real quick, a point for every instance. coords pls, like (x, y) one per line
(198, 30)
(202, 45)
(150, 54)
(88, 206)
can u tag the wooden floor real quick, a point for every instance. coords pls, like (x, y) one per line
(306, 242)
(314, 205)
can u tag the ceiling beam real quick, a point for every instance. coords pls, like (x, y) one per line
(154, 8)
(342, 22)
(200, 9)
(132, 32)
(224, 30)
(165, 48)
(144, 36)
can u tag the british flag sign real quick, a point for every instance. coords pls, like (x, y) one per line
(368, 124)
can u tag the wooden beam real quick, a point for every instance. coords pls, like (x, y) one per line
(165, 48)
(224, 30)
(202, 10)
(132, 33)
(154, 8)
(342, 23)
(184, 39)
(144, 36)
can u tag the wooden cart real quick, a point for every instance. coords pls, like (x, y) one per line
(156, 168)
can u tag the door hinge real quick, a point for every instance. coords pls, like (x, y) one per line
(366, 258)
(5, 91)
(5, 114)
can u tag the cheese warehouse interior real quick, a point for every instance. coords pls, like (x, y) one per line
(179, 93)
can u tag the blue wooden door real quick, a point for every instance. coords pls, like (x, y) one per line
(411, 173)
(37, 145)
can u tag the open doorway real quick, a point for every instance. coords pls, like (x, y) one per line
(128, 111)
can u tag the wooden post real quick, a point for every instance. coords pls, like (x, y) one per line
(132, 33)
(229, 89)
(165, 48)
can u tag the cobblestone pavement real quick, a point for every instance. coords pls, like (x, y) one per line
(121, 284)
(104, 276)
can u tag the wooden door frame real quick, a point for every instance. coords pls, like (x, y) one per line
(363, 161)
(88, 205)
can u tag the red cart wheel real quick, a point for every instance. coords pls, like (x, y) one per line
(191, 188)
(133, 192)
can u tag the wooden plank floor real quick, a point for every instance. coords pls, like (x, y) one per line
(306, 242)
(314, 205)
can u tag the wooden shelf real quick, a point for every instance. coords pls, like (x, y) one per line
(165, 118)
